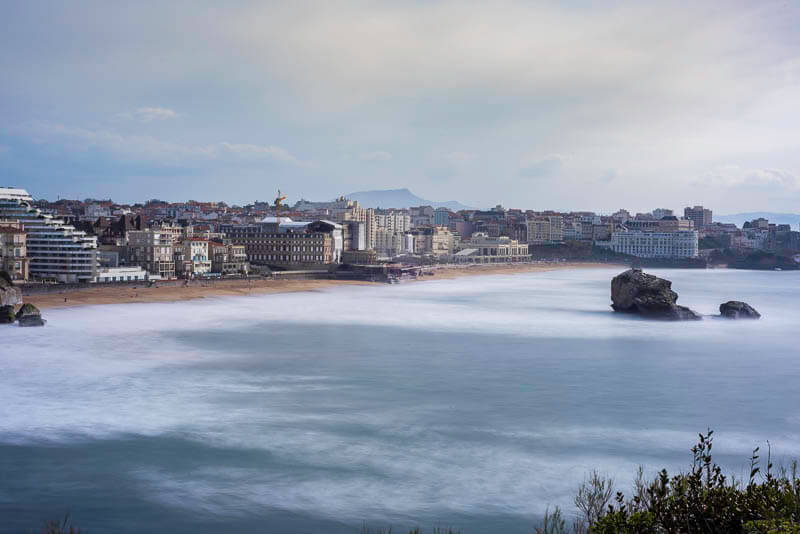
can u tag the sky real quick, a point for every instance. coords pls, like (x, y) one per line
(571, 105)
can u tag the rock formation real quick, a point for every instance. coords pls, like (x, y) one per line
(7, 315)
(9, 295)
(29, 315)
(736, 309)
(649, 296)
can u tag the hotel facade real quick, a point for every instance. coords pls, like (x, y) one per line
(56, 250)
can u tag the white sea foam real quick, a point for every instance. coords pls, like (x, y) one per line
(340, 433)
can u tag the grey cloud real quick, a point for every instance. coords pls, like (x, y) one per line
(149, 114)
(544, 167)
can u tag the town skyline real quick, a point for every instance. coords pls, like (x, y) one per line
(426, 202)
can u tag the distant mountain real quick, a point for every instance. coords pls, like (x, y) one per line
(400, 198)
(778, 218)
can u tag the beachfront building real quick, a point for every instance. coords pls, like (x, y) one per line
(192, 258)
(56, 250)
(290, 244)
(680, 244)
(13, 252)
(153, 251)
(484, 249)
(124, 274)
(228, 258)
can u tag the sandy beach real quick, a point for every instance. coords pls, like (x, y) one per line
(228, 288)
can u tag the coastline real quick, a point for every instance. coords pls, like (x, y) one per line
(99, 295)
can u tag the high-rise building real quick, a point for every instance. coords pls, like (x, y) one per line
(700, 216)
(57, 251)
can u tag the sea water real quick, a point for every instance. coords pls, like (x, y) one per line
(476, 403)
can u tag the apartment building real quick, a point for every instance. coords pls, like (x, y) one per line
(681, 244)
(228, 258)
(13, 250)
(433, 240)
(152, 250)
(547, 229)
(56, 250)
(701, 216)
(192, 258)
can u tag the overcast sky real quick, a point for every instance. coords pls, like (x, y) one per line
(562, 105)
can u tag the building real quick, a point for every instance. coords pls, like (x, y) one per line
(433, 240)
(660, 213)
(228, 258)
(682, 244)
(123, 274)
(153, 251)
(13, 250)
(295, 245)
(55, 249)
(666, 224)
(484, 249)
(700, 216)
(192, 258)
(442, 217)
(545, 230)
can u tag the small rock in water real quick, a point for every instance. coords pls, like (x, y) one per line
(736, 309)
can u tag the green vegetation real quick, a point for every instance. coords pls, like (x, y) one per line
(703, 500)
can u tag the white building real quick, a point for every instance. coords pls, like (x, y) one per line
(57, 251)
(124, 274)
(484, 249)
(681, 244)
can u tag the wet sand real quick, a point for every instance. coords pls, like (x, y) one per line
(228, 288)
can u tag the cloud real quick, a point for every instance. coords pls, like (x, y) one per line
(378, 155)
(148, 114)
(733, 176)
(547, 166)
(149, 148)
(659, 91)
(258, 151)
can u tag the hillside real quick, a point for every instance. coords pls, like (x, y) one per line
(778, 218)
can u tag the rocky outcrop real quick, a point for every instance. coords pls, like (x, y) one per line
(649, 296)
(7, 315)
(9, 294)
(736, 309)
(29, 315)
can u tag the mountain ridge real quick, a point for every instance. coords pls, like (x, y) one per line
(399, 199)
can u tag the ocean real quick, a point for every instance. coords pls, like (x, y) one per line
(476, 403)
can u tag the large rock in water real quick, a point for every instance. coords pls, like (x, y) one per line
(649, 296)
(736, 309)
(7, 315)
(29, 315)
(9, 295)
